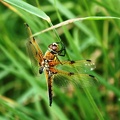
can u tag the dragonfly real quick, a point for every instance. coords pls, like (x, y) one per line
(73, 72)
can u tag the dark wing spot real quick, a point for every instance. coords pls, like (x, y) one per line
(30, 42)
(54, 72)
(36, 53)
(70, 73)
(92, 76)
(71, 62)
(88, 60)
(33, 39)
(26, 24)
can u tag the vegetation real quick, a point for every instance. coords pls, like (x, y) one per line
(95, 36)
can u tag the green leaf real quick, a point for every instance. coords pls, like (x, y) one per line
(29, 8)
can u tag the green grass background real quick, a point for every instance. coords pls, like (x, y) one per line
(24, 96)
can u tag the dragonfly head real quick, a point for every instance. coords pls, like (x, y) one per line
(57, 48)
(53, 48)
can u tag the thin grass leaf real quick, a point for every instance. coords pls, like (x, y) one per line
(73, 21)
(15, 113)
(29, 8)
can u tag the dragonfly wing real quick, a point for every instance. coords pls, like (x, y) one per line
(82, 66)
(32, 55)
(35, 53)
(80, 80)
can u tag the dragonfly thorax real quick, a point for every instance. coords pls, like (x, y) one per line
(45, 63)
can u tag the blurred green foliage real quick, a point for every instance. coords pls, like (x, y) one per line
(24, 96)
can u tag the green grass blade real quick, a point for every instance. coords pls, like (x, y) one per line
(29, 8)
(15, 113)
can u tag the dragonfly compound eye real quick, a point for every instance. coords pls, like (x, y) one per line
(53, 48)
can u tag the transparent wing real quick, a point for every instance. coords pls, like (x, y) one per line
(32, 55)
(34, 52)
(63, 78)
(81, 66)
